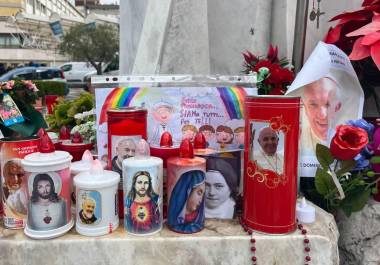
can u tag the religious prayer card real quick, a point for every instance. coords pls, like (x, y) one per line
(9, 112)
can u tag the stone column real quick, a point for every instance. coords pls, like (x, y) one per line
(200, 36)
(132, 16)
(186, 48)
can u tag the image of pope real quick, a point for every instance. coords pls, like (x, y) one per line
(267, 156)
(14, 194)
(186, 203)
(321, 101)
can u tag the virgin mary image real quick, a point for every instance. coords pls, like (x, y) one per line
(186, 205)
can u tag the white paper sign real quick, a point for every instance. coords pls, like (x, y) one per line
(331, 95)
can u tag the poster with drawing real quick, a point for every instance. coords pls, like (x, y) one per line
(182, 111)
(331, 95)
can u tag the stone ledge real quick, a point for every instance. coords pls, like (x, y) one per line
(221, 242)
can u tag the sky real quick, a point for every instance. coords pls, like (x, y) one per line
(109, 1)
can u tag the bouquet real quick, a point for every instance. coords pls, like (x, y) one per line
(273, 75)
(24, 94)
(345, 177)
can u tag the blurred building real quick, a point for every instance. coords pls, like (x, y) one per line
(26, 29)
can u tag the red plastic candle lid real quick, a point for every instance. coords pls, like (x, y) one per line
(41, 132)
(199, 141)
(166, 140)
(46, 145)
(186, 149)
(77, 138)
(64, 133)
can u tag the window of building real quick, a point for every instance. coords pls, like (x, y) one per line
(9, 41)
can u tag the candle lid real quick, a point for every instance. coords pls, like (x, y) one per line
(40, 159)
(186, 149)
(142, 150)
(77, 138)
(166, 140)
(84, 164)
(97, 177)
(200, 141)
(64, 133)
(305, 212)
(46, 145)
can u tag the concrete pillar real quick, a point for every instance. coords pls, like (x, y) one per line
(186, 48)
(132, 16)
(201, 36)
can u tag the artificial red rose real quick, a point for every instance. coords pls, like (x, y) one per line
(348, 141)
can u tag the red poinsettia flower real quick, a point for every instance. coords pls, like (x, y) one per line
(272, 55)
(249, 57)
(358, 33)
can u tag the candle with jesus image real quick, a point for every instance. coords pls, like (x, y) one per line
(49, 183)
(143, 192)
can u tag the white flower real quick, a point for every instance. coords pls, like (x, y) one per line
(87, 130)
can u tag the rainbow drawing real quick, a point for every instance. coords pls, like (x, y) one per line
(233, 99)
(119, 97)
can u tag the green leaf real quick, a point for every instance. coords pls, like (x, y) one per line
(347, 209)
(324, 156)
(323, 182)
(356, 200)
(375, 160)
(346, 166)
(371, 174)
